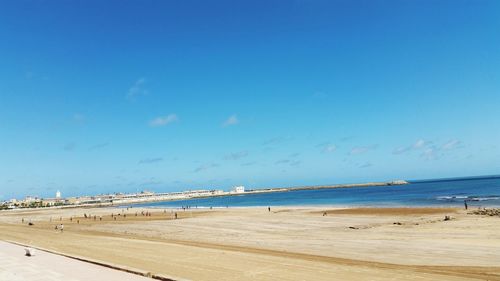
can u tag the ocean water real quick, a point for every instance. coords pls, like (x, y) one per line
(478, 191)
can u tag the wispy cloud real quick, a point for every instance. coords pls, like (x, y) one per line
(137, 89)
(99, 146)
(231, 121)
(365, 165)
(434, 152)
(347, 138)
(205, 167)
(451, 144)
(276, 140)
(327, 147)
(293, 155)
(150, 160)
(288, 161)
(430, 153)
(236, 155)
(249, 163)
(362, 149)
(419, 144)
(163, 120)
(429, 150)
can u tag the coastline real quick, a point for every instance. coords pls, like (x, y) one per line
(290, 242)
(169, 197)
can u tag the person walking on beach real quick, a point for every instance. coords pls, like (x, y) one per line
(269, 209)
(61, 227)
(176, 215)
(465, 204)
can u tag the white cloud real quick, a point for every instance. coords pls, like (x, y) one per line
(137, 89)
(99, 145)
(400, 150)
(365, 165)
(451, 144)
(236, 155)
(289, 162)
(430, 153)
(362, 149)
(205, 167)
(163, 120)
(329, 148)
(232, 120)
(419, 144)
(151, 160)
(276, 141)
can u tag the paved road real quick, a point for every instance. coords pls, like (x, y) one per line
(14, 266)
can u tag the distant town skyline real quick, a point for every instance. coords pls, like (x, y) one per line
(121, 96)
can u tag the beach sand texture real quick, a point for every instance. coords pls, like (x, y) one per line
(45, 266)
(288, 243)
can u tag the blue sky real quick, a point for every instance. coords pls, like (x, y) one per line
(109, 96)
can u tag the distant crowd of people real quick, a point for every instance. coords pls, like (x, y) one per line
(60, 227)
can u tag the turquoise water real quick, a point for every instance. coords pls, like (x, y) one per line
(484, 191)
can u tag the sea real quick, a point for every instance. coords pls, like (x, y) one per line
(477, 191)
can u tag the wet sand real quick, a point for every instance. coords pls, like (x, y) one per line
(298, 243)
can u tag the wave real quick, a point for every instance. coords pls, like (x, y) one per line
(451, 197)
(467, 198)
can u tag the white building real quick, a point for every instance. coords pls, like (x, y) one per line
(58, 194)
(238, 189)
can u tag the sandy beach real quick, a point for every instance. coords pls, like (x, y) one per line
(288, 243)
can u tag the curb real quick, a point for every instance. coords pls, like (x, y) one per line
(103, 264)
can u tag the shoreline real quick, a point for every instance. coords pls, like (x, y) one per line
(256, 207)
(168, 197)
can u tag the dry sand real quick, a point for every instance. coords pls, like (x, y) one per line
(43, 266)
(299, 243)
